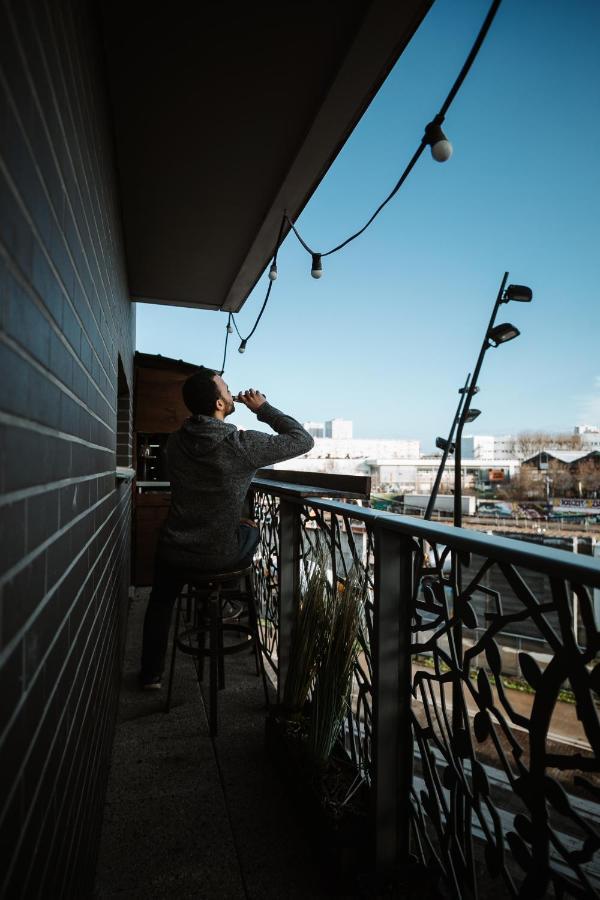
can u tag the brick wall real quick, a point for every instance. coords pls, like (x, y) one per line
(64, 518)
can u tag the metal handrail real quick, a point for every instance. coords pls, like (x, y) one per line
(547, 560)
(432, 744)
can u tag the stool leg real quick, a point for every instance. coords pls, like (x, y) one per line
(202, 623)
(221, 652)
(253, 619)
(214, 606)
(253, 622)
(172, 666)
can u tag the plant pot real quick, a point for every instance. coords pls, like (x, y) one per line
(337, 829)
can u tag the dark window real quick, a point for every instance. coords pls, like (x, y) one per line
(124, 445)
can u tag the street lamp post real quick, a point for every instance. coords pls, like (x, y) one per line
(447, 446)
(494, 336)
(548, 504)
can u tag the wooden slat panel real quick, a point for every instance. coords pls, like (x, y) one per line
(159, 407)
(357, 485)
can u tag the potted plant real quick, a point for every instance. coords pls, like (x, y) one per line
(304, 732)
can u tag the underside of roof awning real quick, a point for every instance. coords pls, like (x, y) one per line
(226, 115)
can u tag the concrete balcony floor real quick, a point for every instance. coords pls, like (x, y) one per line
(189, 817)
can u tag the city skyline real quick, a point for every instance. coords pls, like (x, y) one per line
(388, 334)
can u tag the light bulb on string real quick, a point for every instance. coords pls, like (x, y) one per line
(273, 272)
(317, 266)
(242, 347)
(441, 148)
(229, 327)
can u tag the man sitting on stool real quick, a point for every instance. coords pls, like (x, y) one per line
(210, 465)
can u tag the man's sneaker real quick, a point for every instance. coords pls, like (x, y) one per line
(151, 683)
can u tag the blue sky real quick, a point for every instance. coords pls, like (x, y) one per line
(388, 334)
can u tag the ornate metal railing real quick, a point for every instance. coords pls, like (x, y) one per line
(482, 763)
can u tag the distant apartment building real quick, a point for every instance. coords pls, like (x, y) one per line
(348, 455)
(316, 429)
(397, 466)
(509, 446)
(488, 461)
(489, 447)
(406, 475)
(337, 429)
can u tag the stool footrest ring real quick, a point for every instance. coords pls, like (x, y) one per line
(185, 638)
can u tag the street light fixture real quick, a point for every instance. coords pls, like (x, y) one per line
(502, 333)
(472, 415)
(442, 444)
(494, 336)
(518, 292)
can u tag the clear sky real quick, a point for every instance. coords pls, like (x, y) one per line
(388, 334)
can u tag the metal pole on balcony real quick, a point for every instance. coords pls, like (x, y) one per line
(494, 336)
(392, 679)
(288, 572)
(470, 393)
(448, 448)
(458, 723)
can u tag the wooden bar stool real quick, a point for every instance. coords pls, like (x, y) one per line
(212, 604)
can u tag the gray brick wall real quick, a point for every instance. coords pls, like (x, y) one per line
(65, 320)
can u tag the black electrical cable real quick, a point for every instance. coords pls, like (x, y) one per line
(262, 309)
(225, 347)
(470, 58)
(268, 294)
(235, 326)
(265, 301)
(390, 196)
(438, 119)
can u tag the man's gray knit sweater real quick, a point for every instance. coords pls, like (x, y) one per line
(211, 465)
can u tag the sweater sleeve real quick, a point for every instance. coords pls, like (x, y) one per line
(265, 449)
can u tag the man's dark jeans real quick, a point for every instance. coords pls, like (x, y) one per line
(167, 585)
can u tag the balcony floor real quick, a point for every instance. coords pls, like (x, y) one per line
(186, 817)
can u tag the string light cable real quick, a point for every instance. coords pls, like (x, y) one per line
(272, 278)
(228, 331)
(441, 150)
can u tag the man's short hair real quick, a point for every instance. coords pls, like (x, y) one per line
(200, 393)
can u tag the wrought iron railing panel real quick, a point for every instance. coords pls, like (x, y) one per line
(504, 695)
(349, 547)
(506, 744)
(266, 577)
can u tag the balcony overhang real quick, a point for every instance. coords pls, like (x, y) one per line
(225, 115)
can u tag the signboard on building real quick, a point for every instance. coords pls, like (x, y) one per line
(581, 506)
(496, 474)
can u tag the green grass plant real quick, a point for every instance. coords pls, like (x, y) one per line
(307, 637)
(330, 695)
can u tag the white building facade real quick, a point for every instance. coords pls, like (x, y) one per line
(489, 447)
(337, 429)
(348, 456)
(589, 436)
(418, 475)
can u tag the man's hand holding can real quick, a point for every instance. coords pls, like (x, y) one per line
(251, 398)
